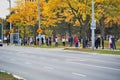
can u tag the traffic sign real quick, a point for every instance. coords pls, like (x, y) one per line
(39, 30)
(93, 24)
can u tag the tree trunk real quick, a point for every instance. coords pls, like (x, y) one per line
(69, 29)
(24, 41)
(83, 31)
(102, 26)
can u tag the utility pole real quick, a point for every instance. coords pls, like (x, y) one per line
(2, 30)
(39, 20)
(11, 37)
(1, 22)
(93, 26)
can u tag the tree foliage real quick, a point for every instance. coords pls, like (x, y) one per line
(72, 12)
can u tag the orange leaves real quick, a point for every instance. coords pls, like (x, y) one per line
(99, 1)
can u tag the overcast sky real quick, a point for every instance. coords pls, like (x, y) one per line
(4, 5)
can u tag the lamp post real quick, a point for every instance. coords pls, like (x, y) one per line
(39, 20)
(11, 38)
(1, 22)
(93, 26)
(2, 30)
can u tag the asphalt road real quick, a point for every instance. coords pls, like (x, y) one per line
(58, 64)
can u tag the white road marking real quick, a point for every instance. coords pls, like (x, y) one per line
(48, 68)
(18, 77)
(78, 74)
(103, 67)
(72, 60)
(81, 60)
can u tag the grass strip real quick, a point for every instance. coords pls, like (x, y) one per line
(6, 76)
(100, 51)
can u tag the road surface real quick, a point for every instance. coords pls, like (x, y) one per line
(58, 64)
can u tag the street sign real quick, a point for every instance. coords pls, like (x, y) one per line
(39, 30)
(93, 24)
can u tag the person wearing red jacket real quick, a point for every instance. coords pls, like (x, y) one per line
(76, 40)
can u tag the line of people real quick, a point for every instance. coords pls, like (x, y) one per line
(112, 44)
(99, 42)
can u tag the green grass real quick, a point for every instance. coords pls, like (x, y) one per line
(44, 46)
(100, 51)
(117, 45)
(6, 76)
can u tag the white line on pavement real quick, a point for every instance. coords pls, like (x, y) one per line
(49, 68)
(75, 60)
(18, 77)
(103, 67)
(78, 74)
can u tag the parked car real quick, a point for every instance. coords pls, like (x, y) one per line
(1, 42)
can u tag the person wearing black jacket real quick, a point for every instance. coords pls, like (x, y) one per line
(97, 42)
(102, 39)
(113, 42)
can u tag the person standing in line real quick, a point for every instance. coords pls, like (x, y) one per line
(42, 40)
(102, 40)
(56, 41)
(63, 41)
(50, 41)
(70, 41)
(110, 42)
(46, 39)
(31, 41)
(86, 42)
(76, 40)
(97, 42)
(113, 42)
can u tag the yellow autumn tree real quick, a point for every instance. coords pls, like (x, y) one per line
(106, 11)
(24, 15)
(51, 13)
